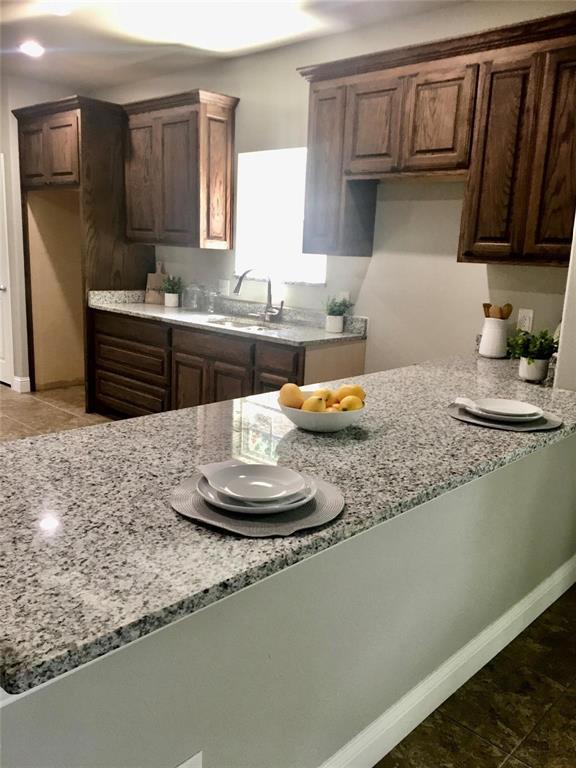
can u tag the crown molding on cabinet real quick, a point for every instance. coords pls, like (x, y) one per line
(181, 100)
(547, 28)
(63, 105)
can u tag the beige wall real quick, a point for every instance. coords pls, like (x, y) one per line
(420, 302)
(56, 286)
(19, 92)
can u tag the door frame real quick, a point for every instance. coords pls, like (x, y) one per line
(4, 247)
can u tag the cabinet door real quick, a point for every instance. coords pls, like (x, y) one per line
(437, 119)
(190, 380)
(177, 150)
(31, 138)
(217, 181)
(372, 141)
(265, 381)
(324, 169)
(228, 381)
(493, 216)
(141, 180)
(62, 148)
(552, 204)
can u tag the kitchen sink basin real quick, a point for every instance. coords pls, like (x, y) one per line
(237, 322)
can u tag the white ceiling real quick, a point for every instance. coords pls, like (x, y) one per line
(119, 41)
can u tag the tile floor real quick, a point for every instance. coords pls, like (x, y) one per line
(519, 711)
(41, 412)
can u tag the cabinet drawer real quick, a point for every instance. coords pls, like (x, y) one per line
(132, 329)
(132, 358)
(213, 345)
(129, 396)
(279, 358)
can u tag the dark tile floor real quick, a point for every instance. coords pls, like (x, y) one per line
(41, 412)
(519, 711)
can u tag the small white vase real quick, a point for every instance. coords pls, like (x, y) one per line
(334, 323)
(171, 299)
(535, 371)
(494, 338)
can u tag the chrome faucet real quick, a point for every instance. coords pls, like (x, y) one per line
(271, 313)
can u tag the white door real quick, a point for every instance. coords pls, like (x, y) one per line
(6, 359)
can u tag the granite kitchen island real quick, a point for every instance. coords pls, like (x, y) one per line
(133, 637)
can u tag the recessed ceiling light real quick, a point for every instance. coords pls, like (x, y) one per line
(31, 48)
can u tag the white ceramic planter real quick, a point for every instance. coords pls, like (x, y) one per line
(494, 338)
(334, 323)
(535, 371)
(171, 299)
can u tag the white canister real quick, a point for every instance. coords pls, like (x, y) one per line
(334, 323)
(494, 338)
(536, 371)
(171, 299)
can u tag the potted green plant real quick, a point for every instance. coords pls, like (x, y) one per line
(534, 351)
(336, 309)
(172, 287)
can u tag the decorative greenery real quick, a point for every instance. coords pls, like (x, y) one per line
(534, 346)
(338, 307)
(172, 284)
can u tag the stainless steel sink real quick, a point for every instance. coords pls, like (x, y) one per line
(237, 322)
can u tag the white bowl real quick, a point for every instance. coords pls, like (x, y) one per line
(321, 422)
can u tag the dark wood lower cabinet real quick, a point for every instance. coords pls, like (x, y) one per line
(138, 367)
(189, 380)
(228, 381)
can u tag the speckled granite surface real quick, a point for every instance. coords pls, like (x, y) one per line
(92, 556)
(295, 332)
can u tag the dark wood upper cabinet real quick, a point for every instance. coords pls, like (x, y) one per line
(324, 169)
(49, 150)
(552, 203)
(179, 170)
(493, 219)
(373, 116)
(496, 109)
(438, 117)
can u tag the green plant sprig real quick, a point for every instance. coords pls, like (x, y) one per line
(172, 284)
(338, 307)
(534, 346)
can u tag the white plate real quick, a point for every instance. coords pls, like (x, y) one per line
(501, 407)
(257, 482)
(498, 417)
(224, 502)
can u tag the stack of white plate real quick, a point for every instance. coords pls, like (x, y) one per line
(497, 409)
(256, 489)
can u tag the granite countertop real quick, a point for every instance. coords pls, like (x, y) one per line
(292, 333)
(92, 556)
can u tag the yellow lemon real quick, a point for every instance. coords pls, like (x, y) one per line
(351, 403)
(334, 408)
(325, 394)
(291, 396)
(315, 404)
(346, 390)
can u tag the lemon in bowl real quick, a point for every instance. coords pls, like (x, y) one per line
(322, 410)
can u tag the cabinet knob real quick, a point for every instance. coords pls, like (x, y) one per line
(3, 288)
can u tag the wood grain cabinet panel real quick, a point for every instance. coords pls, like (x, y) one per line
(552, 203)
(373, 114)
(493, 217)
(437, 119)
(33, 171)
(178, 160)
(179, 170)
(141, 177)
(324, 169)
(190, 380)
(62, 148)
(228, 381)
(128, 396)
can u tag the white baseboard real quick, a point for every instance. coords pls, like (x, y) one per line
(21, 384)
(381, 736)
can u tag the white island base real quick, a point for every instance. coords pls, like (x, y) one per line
(332, 661)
